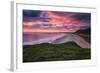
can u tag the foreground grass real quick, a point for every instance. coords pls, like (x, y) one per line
(54, 52)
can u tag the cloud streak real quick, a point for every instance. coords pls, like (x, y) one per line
(50, 21)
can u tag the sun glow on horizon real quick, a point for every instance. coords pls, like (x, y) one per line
(46, 30)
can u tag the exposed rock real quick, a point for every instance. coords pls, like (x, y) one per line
(56, 38)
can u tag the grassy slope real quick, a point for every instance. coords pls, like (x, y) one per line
(53, 52)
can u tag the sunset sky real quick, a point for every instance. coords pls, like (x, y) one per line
(54, 21)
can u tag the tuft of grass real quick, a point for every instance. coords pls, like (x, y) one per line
(55, 52)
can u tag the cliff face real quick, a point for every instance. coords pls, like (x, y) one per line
(54, 38)
(85, 31)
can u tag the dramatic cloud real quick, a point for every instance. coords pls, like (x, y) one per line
(51, 21)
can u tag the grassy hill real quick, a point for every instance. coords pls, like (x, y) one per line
(58, 52)
(54, 52)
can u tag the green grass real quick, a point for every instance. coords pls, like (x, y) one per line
(54, 52)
